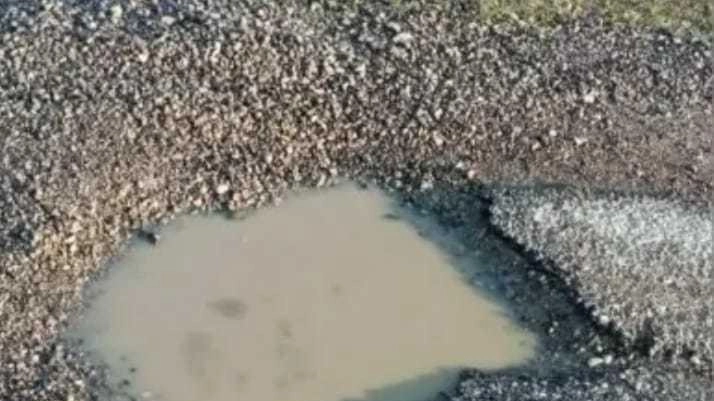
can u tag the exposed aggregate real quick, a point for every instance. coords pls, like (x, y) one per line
(642, 266)
(117, 115)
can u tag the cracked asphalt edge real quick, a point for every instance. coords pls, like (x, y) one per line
(639, 265)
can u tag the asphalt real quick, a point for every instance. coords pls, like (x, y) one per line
(117, 117)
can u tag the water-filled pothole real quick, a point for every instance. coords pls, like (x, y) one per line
(331, 296)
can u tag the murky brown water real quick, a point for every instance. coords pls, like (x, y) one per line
(331, 296)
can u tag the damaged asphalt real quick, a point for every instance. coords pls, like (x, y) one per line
(117, 116)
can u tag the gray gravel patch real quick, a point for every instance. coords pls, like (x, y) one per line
(641, 265)
(634, 383)
(115, 120)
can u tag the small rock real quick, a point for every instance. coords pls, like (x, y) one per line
(695, 360)
(604, 320)
(579, 140)
(75, 227)
(403, 37)
(143, 57)
(150, 237)
(595, 361)
(116, 13)
(222, 189)
(589, 97)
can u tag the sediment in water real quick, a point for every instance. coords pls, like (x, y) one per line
(333, 295)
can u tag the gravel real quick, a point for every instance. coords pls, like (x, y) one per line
(634, 383)
(114, 120)
(641, 266)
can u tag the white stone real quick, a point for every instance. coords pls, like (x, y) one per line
(604, 320)
(589, 97)
(143, 57)
(403, 37)
(222, 188)
(117, 13)
(593, 362)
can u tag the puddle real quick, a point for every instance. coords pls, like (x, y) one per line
(332, 296)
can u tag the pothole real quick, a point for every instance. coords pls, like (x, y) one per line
(333, 295)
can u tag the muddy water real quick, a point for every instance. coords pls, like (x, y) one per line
(331, 296)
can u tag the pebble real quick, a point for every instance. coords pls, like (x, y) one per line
(403, 37)
(595, 361)
(168, 20)
(589, 97)
(579, 141)
(116, 13)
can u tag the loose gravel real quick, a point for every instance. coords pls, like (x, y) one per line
(642, 266)
(634, 383)
(117, 116)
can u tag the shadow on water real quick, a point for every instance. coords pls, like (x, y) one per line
(463, 211)
(456, 221)
(428, 387)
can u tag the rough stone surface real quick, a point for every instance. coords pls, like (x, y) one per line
(641, 265)
(633, 384)
(111, 122)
